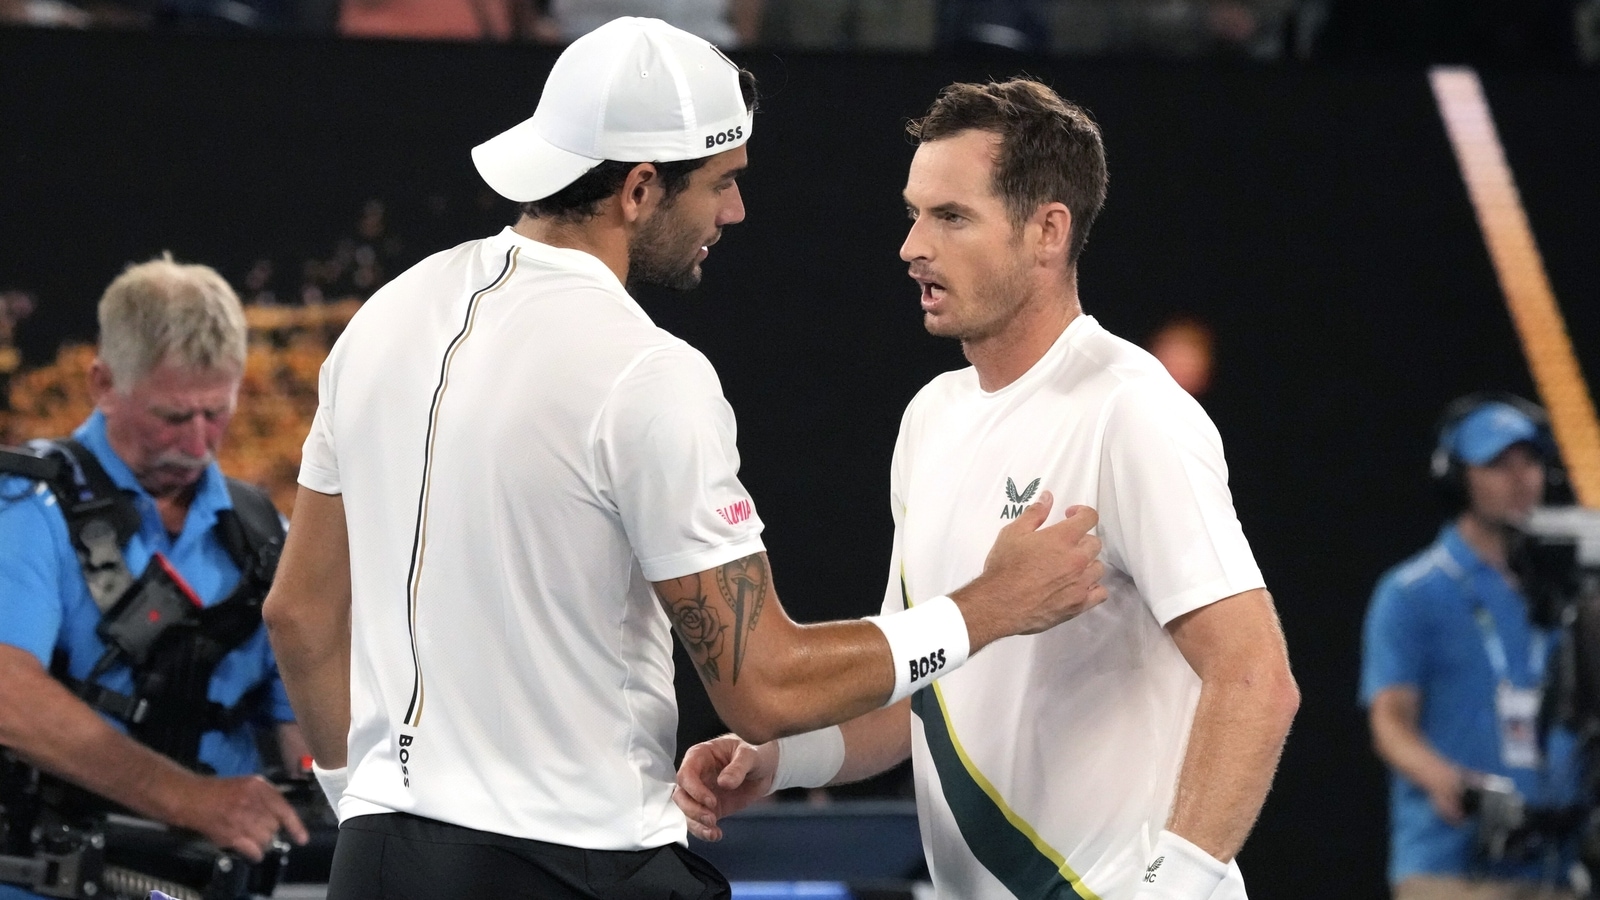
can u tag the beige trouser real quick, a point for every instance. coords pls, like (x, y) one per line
(1437, 887)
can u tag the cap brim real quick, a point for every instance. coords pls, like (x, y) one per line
(1482, 439)
(1481, 453)
(522, 166)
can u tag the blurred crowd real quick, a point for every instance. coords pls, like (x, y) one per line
(1558, 32)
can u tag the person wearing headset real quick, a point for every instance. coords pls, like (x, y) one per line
(1453, 668)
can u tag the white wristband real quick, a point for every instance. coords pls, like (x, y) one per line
(1179, 870)
(927, 641)
(333, 782)
(809, 760)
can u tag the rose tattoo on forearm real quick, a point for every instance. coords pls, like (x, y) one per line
(698, 626)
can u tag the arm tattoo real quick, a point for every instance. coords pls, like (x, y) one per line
(743, 584)
(698, 625)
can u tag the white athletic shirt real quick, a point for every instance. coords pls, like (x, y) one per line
(520, 453)
(1046, 766)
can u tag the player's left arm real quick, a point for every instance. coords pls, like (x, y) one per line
(721, 776)
(1248, 698)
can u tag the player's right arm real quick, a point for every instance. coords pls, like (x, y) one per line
(308, 620)
(666, 460)
(769, 677)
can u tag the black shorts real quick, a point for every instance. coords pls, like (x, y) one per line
(396, 856)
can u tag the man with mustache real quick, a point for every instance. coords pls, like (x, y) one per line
(1124, 754)
(165, 383)
(517, 485)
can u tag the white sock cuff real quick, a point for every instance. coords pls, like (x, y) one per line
(809, 760)
(1178, 870)
(927, 641)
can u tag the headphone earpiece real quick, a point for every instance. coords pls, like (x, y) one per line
(1439, 463)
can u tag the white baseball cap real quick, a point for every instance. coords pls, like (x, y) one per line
(632, 90)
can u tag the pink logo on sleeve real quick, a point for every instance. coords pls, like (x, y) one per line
(735, 513)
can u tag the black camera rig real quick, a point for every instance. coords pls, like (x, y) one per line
(115, 857)
(1556, 557)
(57, 840)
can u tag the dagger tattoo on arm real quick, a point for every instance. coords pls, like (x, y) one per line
(743, 584)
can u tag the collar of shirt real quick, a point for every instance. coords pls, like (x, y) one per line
(1045, 366)
(1462, 554)
(210, 496)
(1487, 588)
(573, 260)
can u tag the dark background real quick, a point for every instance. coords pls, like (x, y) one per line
(1313, 216)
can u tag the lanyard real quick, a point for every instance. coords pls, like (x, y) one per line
(1493, 646)
(1496, 648)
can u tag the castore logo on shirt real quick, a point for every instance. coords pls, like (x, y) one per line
(1018, 501)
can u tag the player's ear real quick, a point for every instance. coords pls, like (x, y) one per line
(641, 192)
(1054, 227)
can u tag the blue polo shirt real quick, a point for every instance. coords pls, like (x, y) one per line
(45, 604)
(1421, 631)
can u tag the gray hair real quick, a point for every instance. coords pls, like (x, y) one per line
(164, 311)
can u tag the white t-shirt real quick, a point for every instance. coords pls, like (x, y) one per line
(520, 453)
(1054, 757)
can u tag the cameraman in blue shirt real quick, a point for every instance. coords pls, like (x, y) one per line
(1454, 669)
(165, 382)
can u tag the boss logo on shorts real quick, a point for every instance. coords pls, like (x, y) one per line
(406, 741)
(927, 665)
(723, 137)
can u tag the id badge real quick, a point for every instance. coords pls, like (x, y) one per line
(1518, 711)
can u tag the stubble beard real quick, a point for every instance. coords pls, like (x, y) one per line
(665, 252)
(994, 303)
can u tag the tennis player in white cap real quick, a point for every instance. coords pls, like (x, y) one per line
(516, 486)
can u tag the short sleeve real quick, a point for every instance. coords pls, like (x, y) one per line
(1166, 515)
(1393, 640)
(666, 461)
(319, 464)
(30, 568)
(894, 595)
